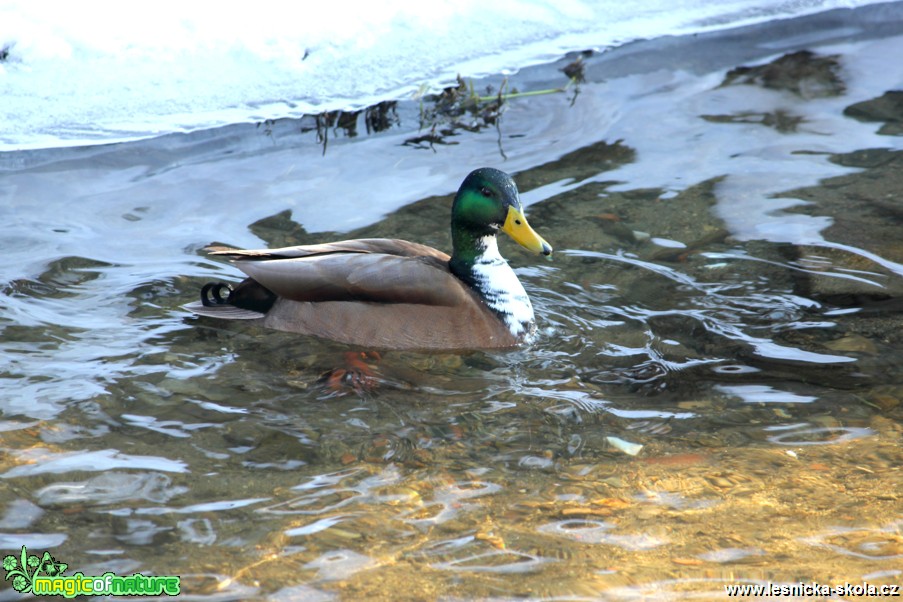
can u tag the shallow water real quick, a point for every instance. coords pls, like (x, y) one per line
(713, 398)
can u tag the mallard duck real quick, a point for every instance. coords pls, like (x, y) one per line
(395, 294)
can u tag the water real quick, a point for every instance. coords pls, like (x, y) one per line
(714, 397)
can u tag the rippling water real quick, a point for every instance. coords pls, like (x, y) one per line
(707, 403)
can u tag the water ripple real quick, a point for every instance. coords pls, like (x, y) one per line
(802, 435)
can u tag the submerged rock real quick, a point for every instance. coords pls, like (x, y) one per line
(887, 108)
(804, 73)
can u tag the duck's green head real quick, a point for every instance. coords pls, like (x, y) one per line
(488, 202)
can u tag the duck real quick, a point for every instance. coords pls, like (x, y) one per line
(394, 294)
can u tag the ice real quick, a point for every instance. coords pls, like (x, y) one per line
(77, 73)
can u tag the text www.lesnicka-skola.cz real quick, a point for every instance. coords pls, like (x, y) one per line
(811, 589)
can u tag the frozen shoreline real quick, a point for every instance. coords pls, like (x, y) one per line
(128, 80)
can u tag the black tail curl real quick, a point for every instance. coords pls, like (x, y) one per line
(212, 294)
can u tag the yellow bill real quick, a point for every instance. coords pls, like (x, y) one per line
(516, 227)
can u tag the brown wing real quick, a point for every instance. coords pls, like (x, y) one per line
(358, 277)
(385, 246)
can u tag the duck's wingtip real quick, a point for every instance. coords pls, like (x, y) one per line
(222, 250)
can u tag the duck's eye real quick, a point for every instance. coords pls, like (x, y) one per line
(485, 191)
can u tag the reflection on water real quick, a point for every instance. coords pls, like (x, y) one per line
(704, 406)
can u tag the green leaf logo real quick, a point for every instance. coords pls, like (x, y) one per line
(22, 570)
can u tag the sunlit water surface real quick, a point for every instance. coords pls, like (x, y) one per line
(713, 398)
